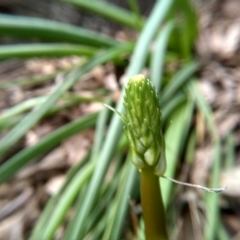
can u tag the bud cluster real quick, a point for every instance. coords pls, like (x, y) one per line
(143, 125)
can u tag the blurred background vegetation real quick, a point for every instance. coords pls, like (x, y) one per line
(65, 171)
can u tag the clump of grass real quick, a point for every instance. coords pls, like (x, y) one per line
(100, 207)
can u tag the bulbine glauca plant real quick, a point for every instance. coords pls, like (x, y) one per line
(143, 128)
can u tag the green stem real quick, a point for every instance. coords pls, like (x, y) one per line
(152, 205)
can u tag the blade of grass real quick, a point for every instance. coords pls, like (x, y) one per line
(230, 156)
(172, 105)
(21, 107)
(106, 195)
(70, 100)
(13, 164)
(134, 6)
(38, 79)
(45, 50)
(158, 55)
(100, 132)
(10, 118)
(205, 109)
(174, 139)
(106, 192)
(70, 103)
(9, 123)
(222, 232)
(110, 11)
(29, 27)
(103, 201)
(123, 202)
(120, 203)
(191, 146)
(33, 117)
(97, 233)
(141, 230)
(178, 81)
(184, 34)
(212, 200)
(42, 220)
(115, 129)
(77, 204)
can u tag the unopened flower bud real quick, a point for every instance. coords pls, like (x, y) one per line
(143, 125)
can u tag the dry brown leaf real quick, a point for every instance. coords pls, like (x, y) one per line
(208, 90)
(231, 10)
(202, 163)
(228, 124)
(110, 82)
(232, 222)
(56, 159)
(48, 66)
(54, 184)
(12, 227)
(91, 81)
(190, 221)
(92, 107)
(77, 146)
(231, 178)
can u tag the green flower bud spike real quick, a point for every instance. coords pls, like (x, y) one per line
(143, 125)
(143, 128)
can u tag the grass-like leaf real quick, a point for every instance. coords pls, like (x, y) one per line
(21, 107)
(45, 50)
(158, 55)
(29, 27)
(178, 81)
(185, 30)
(30, 81)
(205, 109)
(110, 11)
(120, 203)
(174, 139)
(212, 200)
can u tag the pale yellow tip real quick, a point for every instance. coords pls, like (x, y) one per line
(138, 78)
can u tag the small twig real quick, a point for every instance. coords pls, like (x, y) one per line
(213, 190)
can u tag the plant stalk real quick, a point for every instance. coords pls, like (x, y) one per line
(152, 205)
